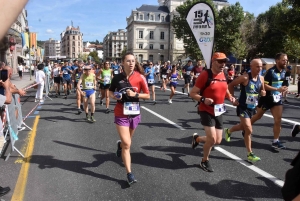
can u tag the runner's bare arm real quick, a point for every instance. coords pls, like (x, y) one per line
(262, 91)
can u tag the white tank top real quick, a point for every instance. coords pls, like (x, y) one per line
(55, 72)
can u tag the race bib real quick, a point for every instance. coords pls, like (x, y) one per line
(252, 99)
(106, 79)
(188, 72)
(287, 78)
(150, 81)
(276, 98)
(89, 85)
(65, 72)
(164, 76)
(219, 109)
(173, 79)
(168, 71)
(116, 72)
(197, 74)
(131, 108)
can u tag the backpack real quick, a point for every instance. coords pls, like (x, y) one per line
(208, 82)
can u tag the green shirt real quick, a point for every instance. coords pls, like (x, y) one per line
(88, 81)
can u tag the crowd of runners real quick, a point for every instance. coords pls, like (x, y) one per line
(261, 89)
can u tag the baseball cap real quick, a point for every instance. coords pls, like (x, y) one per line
(219, 56)
(289, 67)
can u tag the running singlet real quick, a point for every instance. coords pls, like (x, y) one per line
(275, 79)
(249, 93)
(164, 72)
(188, 70)
(66, 72)
(106, 75)
(77, 75)
(55, 72)
(197, 71)
(88, 81)
(116, 69)
(150, 77)
(173, 78)
(216, 90)
(136, 82)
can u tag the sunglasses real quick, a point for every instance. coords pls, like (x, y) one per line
(222, 61)
(87, 69)
(150, 64)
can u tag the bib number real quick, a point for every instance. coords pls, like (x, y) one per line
(131, 108)
(276, 98)
(89, 85)
(150, 81)
(106, 79)
(164, 76)
(173, 79)
(188, 72)
(116, 72)
(219, 109)
(65, 72)
(197, 74)
(252, 100)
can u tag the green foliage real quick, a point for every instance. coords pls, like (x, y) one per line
(95, 57)
(83, 57)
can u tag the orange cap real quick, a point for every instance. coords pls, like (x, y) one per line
(219, 56)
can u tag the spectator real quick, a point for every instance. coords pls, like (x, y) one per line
(20, 69)
(40, 78)
(32, 69)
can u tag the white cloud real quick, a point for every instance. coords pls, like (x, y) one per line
(49, 31)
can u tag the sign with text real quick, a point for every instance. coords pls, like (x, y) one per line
(201, 20)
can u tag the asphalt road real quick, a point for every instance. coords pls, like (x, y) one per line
(75, 160)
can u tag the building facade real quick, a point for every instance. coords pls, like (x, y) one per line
(12, 47)
(52, 49)
(71, 42)
(113, 45)
(150, 33)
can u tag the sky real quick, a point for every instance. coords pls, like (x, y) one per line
(96, 18)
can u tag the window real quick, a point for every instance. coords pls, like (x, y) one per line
(151, 46)
(140, 46)
(73, 43)
(73, 49)
(140, 58)
(162, 58)
(68, 49)
(151, 57)
(151, 17)
(141, 17)
(73, 55)
(162, 18)
(79, 44)
(151, 35)
(161, 47)
(162, 35)
(140, 34)
(73, 37)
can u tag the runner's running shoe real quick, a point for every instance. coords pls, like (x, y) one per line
(227, 134)
(252, 158)
(131, 179)
(278, 145)
(79, 111)
(206, 166)
(119, 149)
(295, 130)
(93, 119)
(194, 142)
(88, 118)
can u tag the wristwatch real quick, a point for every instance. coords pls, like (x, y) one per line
(202, 99)
(136, 95)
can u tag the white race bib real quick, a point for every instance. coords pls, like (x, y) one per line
(252, 99)
(174, 79)
(65, 72)
(150, 81)
(287, 78)
(106, 79)
(219, 109)
(197, 74)
(131, 108)
(116, 72)
(89, 85)
(276, 98)
(188, 72)
(164, 76)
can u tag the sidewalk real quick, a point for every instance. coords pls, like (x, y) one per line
(20, 84)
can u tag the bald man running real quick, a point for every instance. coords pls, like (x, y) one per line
(252, 85)
(273, 85)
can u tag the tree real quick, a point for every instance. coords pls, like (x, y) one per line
(83, 57)
(95, 57)
(183, 31)
(228, 38)
(97, 42)
(124, 51)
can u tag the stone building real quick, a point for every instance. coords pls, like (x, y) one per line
(52, 49)
(113, 45)
(71, 42)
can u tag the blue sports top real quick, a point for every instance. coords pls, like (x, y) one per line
(249, 93)
(274, 78)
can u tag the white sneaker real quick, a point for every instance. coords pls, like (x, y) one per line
(35, 100)
(170, 101)
(41, 101)
(21, 128)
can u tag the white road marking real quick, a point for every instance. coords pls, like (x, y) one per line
(163, 118)
(261, 172)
